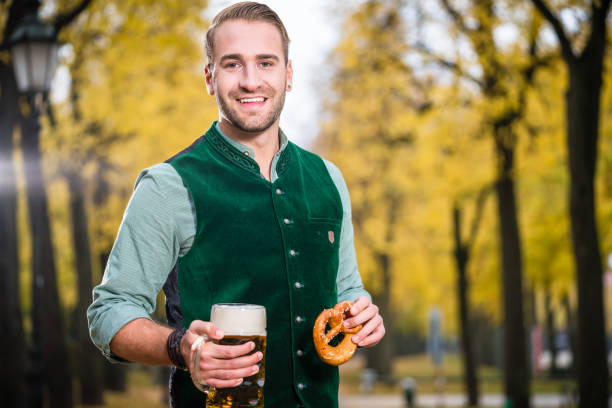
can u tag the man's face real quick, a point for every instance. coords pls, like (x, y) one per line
(249, 75)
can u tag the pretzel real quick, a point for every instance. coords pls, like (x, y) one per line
(342, 352)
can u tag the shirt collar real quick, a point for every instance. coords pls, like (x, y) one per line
(282, 138)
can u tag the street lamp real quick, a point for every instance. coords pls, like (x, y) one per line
(34, 54)
(33, 48)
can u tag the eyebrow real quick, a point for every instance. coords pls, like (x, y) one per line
(268, 56)
(239, 57)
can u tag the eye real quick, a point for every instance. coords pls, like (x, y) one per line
(266, 64)
(231, 65)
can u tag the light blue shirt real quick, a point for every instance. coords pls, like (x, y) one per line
(158, 227)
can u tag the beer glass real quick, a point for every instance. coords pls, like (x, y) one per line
(240, 323)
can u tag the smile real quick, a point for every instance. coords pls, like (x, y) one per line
(251, 100)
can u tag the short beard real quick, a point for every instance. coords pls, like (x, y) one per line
(263, 125)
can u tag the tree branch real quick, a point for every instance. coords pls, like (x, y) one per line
(599, 13)
(566, 46)
(456, 16)
(16, 12)
(62, 20)
(448, 64)
(597, 37)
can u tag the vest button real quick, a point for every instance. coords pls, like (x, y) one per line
(279, 191)
(246, 152)
(301, 386)
(299, 319)
(287, 221)
(292, 252)
(300, 353)
(298, 285)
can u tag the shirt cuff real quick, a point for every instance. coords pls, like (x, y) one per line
(103, 329)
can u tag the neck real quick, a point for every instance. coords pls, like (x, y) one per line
(265, 144)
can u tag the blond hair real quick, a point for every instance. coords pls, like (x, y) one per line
(248, 11)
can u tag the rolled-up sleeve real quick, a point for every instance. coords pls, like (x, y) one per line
(348, 280)
(147, 246)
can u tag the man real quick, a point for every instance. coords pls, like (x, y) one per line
(242, 215)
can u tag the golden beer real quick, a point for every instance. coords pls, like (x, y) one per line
(240, 323)
(250, 392)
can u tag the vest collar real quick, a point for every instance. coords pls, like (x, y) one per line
(243, 156)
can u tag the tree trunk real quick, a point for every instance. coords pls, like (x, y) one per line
(516, 373)
(583, 108)
(115, 377)
(469, 364)
(380, 358)
(12, 375)
(47, 330)
(161, 375)
(89, 363)
(550, 332)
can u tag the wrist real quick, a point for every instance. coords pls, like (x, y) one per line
(173, 347)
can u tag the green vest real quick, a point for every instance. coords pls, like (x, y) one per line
(273, 244)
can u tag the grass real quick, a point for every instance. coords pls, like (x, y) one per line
(447, 379)
(142, 392)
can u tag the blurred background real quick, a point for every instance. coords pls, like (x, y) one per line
(475, 139)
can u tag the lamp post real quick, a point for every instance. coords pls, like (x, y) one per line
(34, 55)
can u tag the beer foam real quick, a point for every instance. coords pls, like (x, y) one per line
(239, 319)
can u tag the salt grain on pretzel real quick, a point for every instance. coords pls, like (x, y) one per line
(346, 348)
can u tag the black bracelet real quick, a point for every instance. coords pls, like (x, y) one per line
(173, 347)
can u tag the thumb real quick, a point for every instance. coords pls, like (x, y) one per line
(361, 303)
(200, 327)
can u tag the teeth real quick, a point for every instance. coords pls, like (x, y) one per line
(246, 100)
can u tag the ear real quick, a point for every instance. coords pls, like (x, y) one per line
(289, 76)
(208, 78)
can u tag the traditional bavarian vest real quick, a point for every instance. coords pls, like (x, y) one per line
(274, 244)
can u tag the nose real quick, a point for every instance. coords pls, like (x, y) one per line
(250, 79)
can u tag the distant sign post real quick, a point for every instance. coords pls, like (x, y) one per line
(435, 337)
(435, 350)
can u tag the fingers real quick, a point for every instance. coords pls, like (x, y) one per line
(200, 327)
(228, 352)
(213, 382)
(359, 305)
(372, 339)
(210, 363)
(222, 373)
(365, 312)
(220, 366)
(231, 374)
(371, 332)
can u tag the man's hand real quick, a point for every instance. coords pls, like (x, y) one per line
(220, 366)
(365, 312)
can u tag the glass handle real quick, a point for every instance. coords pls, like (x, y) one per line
(197, 381)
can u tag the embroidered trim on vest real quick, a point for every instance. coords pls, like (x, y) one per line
(231, 153)
(283, 161)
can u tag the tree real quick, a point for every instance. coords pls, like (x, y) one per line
(48, 337)
(583, 98)
(367, 137)
(133, 100)
(503, 85)
(462, 256)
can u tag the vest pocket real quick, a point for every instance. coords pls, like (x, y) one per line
(324, 232)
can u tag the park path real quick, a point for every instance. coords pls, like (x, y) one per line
(447, 400)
